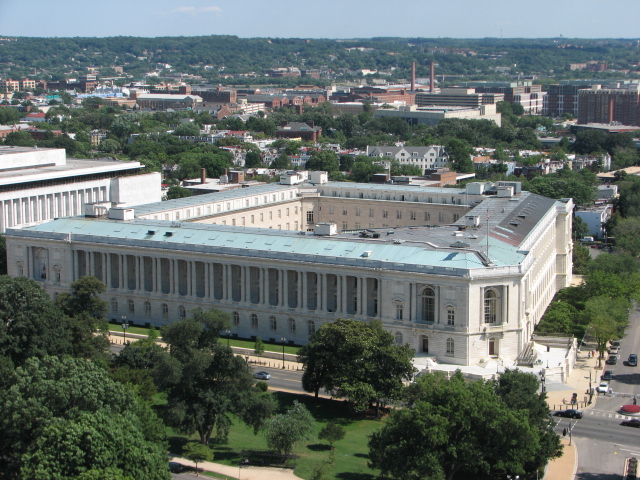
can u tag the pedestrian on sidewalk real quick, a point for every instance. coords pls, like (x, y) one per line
(634, 400)
(564, 432)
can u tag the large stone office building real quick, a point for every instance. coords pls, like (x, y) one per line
(456, 273)
(40, 184)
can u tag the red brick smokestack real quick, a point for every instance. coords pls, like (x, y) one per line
(611, 110)
(413, 76)
(432, 78)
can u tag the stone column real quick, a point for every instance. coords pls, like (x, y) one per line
(227, 295)
(364, 301)
(302, 290)
(343, 293)
(505, 304)
(322, 292)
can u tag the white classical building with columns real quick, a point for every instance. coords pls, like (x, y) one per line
(468, 284)
(40, 184)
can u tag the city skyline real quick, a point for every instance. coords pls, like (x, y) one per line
(355, 19)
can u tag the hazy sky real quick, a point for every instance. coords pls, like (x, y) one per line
(326, 19)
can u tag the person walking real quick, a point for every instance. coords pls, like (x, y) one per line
(564, 432)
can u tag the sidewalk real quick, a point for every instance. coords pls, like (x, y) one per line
(582, 377)
(244, 473)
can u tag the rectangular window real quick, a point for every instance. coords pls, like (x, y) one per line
(331, 210)
(456, 217)
(398, 214)
(358, 226)
(399, 312)
(427, 216)
(270, 215)
(344, 225)
(252, 219)
(262, 217)
(451, 316)
(385, 214)
(371, 212)
(279, 213)
(357, 211)
(441, 217)
(344, 211)
(287, 212)
(310, 216)
(413, 215)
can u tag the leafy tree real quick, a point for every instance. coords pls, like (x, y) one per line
(456, 430)
(258, 347)
(252, 159)
(581, 259)
(19, 139)
(64, 416)
(363, 169)
(324, 160)
(176, 191)
(357, 361)
(560, 317)
(607, 320)
(205, 382)
(108, 145)
(459, 152)
(627, 233)
(31, 325)
(84, 297)
(580, 228)
(187, 130)
(197, 452)
(281, 162)
(332, 432)
(284, 430)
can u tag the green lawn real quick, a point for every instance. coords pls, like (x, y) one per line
(350, 458)
(234, 342)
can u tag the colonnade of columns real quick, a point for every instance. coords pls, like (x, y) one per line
(47, 206)
(265, 286)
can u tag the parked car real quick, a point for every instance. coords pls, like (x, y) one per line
(603, 387)
(633, 360)
(607, 375)
(175, 467)
(569, 413)
(612, 360)
(634, 422)
(262, 375)
(614, 350)
(615, 343)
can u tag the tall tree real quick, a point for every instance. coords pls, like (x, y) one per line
(284, 430)
(205, 382)
(451, 430)
(64, 416)
(357, 361)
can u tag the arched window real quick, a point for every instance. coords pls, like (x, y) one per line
(490, 307)
(182, 312)
(273, 323)
(428, 305)
(312, 326)
(292, 325)
(114, 305)
(236, 318)
(399, 338)
(165, 310)
(450, 346)
(254, 320)
(147, 309)
(132, 306)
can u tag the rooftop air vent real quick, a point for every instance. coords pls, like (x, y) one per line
(151, 232)
(168, 234)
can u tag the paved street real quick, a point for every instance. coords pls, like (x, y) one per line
(603, 444)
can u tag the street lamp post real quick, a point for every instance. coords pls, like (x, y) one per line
(283, 340)
(228, 332)
(125, 325)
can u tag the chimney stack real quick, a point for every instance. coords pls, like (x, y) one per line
(413, 76)
(432, 78)
(203, 176)
(611, 110)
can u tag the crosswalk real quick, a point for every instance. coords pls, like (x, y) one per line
(605, 414)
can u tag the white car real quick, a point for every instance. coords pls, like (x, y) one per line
(262, 375)
(614, 350)
(603, 387)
